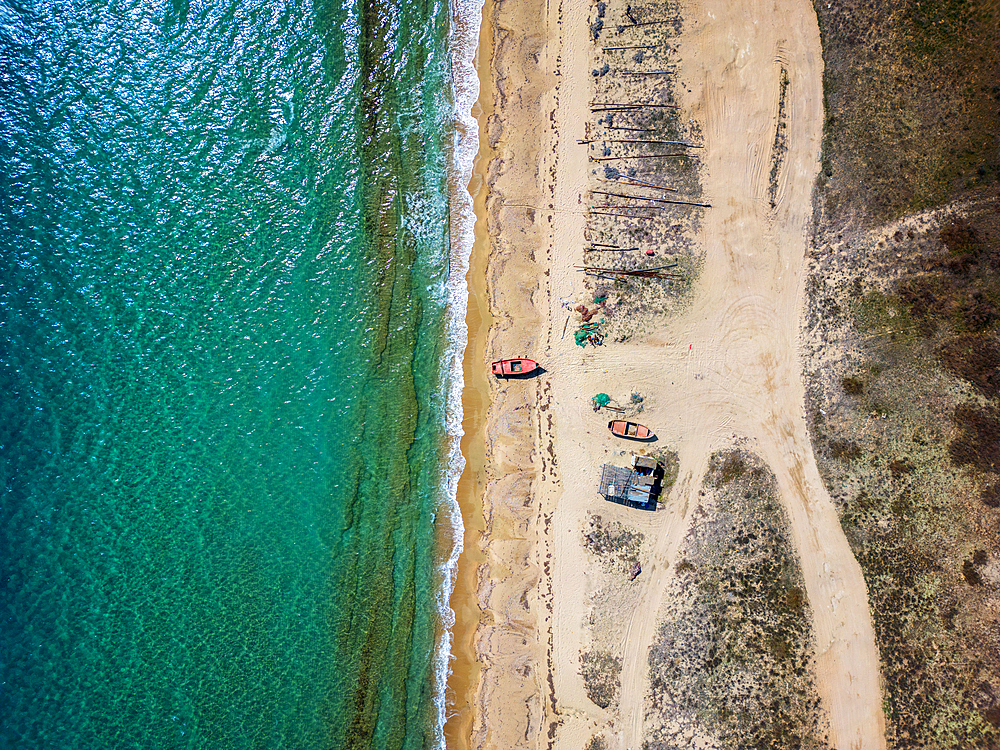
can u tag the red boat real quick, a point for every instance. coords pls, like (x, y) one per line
(506, 367)
(624, 429)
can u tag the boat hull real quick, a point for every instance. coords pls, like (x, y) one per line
(512, 368)
(630, 430)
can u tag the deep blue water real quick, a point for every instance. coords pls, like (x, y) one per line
(223, 257)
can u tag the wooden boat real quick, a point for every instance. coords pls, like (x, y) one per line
(624, 429)
(506, 367)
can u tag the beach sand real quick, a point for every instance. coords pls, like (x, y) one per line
(718, 369)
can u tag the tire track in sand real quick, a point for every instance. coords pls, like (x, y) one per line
(743, 372)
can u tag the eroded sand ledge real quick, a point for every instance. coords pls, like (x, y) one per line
(725, 371)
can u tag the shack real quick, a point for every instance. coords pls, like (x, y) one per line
(637, 486)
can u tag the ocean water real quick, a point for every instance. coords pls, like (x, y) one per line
(228, 346)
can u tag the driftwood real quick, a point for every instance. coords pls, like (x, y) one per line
(646, 72)
(634, 130)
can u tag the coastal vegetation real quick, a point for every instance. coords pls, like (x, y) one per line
(903, 334)
(733, 653)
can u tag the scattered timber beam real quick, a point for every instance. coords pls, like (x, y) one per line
(647, 184)
(632, 46)
(634, 105)
(658, 200)
(635, 156)
(640, 140)
(648, 23)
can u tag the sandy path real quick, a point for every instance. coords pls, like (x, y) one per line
(728, 369)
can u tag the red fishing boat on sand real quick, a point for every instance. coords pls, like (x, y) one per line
(504, 368)
(624, 429)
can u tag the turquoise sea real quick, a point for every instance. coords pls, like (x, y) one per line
(228, 347)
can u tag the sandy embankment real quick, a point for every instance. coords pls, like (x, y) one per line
(725, 371)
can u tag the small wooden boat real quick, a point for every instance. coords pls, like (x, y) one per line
(624, 429)
(506, 367)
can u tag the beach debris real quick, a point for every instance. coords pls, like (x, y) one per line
(631, 46)
(622, 27)
(636, 570)
(643, 273)
(634, 130)
(634, 197)
(634, 156)
(639, 140)
(588, 333)
(601, 399)
(619, 176)
(611, 107)
(657, 200)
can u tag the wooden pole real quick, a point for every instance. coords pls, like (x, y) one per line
(640, 140)
(643, 182)
(636, 156)
(638, 105)
(632, 46)
(658, 200)
(649, 23)
(634, 197)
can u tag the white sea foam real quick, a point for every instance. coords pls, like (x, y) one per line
(466, 17)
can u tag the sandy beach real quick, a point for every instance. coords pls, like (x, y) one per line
(715, 370)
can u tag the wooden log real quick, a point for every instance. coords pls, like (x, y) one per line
(629, 207)
(621, 216)
(643, 182)
(635, 156)
(645, 72)
(631, 46)
(635, 197)
(635, 130)
(635, 105)
(648, 23)
(639, 140)
(659, 200)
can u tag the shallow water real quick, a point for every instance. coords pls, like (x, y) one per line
(223, 352)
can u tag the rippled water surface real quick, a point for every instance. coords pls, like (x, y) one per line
(223, 259)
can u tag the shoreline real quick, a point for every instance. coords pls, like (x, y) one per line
(464, 675)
